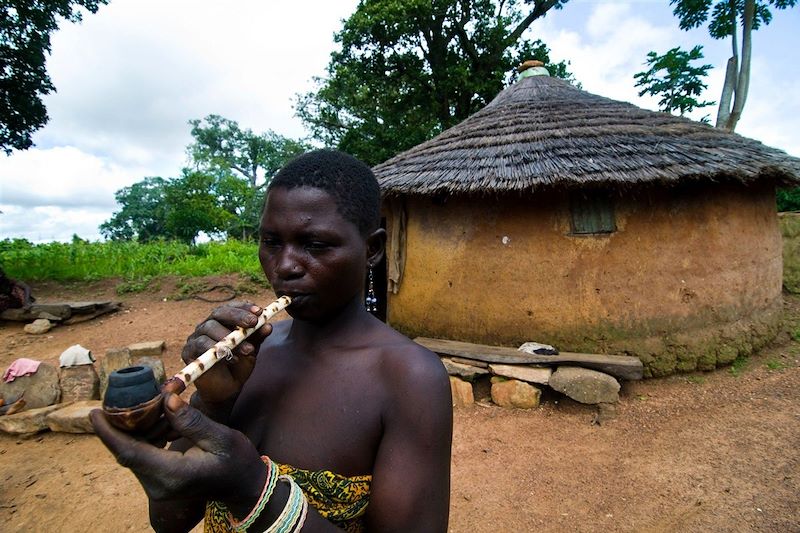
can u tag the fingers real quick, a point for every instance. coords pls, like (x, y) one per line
(195, 426)
(218, 325)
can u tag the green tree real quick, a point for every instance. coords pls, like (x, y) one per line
(242, 163)
(144, 212)
(672, 77)
(726, 18)
(409, 69)
(220, 145)
(177, 208)
(193, 206)
(788, 199)
(25, 29)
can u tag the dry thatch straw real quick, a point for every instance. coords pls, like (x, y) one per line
(543, 132)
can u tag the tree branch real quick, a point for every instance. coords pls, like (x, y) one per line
(540, 7)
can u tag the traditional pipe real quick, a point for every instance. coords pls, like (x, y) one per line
(142, 415)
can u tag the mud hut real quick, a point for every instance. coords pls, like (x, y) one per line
(564, 217)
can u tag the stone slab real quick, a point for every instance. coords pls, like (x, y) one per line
(467, 372)
(147, 348)
(621, 366)
(584, 385)
(531, 374)
(79, 383)
(461, 392)
(73, 418)
(515, 393)
(30, 421)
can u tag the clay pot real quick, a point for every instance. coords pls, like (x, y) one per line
(133, 399)
(131, 386)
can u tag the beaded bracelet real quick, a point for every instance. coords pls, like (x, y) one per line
(294, 512)
(266, 492)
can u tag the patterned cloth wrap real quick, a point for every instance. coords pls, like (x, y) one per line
(341, 500)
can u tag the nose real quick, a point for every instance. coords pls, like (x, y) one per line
(288, 263)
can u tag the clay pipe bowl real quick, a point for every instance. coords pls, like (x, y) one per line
(142, 416)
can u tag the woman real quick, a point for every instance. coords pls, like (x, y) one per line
(358, 416)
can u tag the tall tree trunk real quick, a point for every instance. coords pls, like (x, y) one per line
(743, 82)
(731, 73)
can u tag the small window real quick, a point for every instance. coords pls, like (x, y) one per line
(592, 213)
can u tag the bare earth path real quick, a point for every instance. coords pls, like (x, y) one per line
(707, 452)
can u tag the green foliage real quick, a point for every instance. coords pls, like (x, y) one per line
(788, 199)
(407, 70)
(726, 18)
(25, 29)
(177, 208)
(774, 364)
(739, 364)
(789, 224)
(672, 77)
(137, 263)
(221, 146)
(143, 214)
(723, 15)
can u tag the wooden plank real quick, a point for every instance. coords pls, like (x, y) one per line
(620, 366)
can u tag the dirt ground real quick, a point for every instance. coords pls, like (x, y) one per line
(702, 452)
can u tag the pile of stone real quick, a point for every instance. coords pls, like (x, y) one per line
(60, 399)
(41, 317)
(518, 377)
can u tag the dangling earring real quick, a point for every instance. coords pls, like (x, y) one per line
(370, 301)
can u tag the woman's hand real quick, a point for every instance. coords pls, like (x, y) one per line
(223, 381)
(222, 464)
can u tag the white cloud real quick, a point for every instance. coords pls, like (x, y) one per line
(46, 224)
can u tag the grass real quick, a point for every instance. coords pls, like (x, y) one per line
(738, 365)
(774, 364)
(697, 380)
(136, 263)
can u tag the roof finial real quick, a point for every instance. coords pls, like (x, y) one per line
(532, 67)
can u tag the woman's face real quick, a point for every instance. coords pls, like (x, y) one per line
(310, 252)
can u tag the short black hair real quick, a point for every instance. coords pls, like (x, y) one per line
(350, 182)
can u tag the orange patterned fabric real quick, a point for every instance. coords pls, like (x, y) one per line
(341, 500)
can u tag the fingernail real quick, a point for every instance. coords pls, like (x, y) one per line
(174, 402)
(256, 310)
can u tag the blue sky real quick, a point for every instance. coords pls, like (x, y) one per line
(130, 78)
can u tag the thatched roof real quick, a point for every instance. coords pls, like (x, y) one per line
(542, 132)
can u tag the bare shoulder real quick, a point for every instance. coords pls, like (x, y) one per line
(408, 365)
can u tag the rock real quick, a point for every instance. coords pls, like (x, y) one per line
(147, 348)
(461, 392)
(605, 413)
(41, 388)
(38, 326)
(584, 385)
(79, 383)
(30, 421)
(531, 374)
(153, 362)
(514, 393)
(115, 359)
(467, 372)
(73, 418)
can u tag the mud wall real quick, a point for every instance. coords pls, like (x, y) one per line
(690, 279)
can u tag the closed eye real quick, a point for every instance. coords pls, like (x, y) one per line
(317, 246)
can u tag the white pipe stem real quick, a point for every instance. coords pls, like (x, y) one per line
(223, 348)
